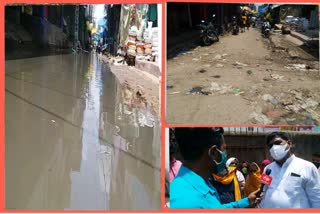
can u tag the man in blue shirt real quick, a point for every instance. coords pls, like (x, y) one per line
(203, 151)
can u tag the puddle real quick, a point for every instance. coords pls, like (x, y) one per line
(76, 139)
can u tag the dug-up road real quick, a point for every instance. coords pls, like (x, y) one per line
(244, 79)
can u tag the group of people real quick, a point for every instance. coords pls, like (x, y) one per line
(206, 178)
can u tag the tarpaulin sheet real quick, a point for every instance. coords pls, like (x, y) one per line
(264, 9)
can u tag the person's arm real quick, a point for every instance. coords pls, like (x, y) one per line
(312, 187)
(243, 203)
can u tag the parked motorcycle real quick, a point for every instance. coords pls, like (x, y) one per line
(235, 26)
(208, 33)
(266, 29)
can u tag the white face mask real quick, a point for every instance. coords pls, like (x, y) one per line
(278, 152)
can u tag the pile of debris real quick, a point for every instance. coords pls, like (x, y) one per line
(295, 102)
(215, 88)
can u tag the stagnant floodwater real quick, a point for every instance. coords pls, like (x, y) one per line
(75, 139)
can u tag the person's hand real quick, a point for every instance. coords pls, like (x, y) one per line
(258, 200)
(253, 197)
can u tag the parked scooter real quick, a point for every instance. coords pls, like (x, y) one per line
(266, 29)
(235, 26)
(208, 33)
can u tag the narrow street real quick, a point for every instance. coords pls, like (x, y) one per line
(77, 139)
(244, 79)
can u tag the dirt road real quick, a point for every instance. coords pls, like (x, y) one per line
(244, 79)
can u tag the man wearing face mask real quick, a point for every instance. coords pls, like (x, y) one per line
(295, 182)
(203, 153)
(316, 160)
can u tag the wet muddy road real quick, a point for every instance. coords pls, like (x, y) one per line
(76, 139)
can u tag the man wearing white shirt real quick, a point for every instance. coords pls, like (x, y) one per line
(295, 182)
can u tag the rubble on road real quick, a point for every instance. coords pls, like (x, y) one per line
(218, 57)
(215, 88)
(273, 77)
(259, 118)
(266, 71)
(198, 91)
(240, 64)
(222, 89)
(118, 60)
(276, 77)
(293, 54)
(221, 57)
(300, 67)
(175, 92)
(271, 99)
(299, 102)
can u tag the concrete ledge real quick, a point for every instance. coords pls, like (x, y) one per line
(302, 37)
(150, 67)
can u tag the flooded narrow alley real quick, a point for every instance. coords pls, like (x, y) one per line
(76, 139)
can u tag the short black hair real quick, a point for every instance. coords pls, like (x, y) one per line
(274, 135)
(194, 141)
(316, 155)
(173, 147)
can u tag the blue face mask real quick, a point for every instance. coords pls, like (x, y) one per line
(222, 164)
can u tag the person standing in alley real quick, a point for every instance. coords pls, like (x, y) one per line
(244, 169)
(233, 162)
(252, 182)
(248, 21)
(174, 163)
(295, 182)
(204, 153)
(264, 164)
(229, 182)
(243, 22)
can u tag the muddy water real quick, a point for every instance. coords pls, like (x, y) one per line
(75, 139)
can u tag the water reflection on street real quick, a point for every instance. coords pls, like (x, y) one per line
(76, 138)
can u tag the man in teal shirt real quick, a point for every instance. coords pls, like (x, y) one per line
(203, 151)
